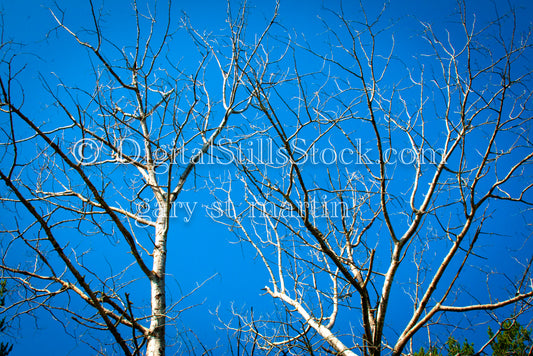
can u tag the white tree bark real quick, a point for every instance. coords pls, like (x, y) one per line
(156, 338)
(321, 329)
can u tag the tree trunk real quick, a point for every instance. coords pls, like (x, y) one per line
(156, 340)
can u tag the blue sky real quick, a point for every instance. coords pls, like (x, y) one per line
(199, 248)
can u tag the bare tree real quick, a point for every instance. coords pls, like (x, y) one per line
(373, 179)
(95, 177)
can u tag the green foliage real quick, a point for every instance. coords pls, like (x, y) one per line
(455, 349)
(5, 348)
(431, 352)
(513, 339)
(452, 347)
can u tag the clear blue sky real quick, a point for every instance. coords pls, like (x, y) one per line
(198, 249)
